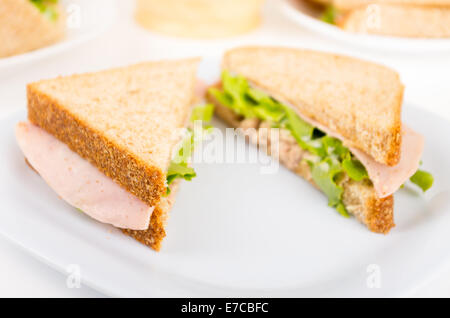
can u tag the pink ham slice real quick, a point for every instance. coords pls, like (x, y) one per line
(386, 180)
(79, 183)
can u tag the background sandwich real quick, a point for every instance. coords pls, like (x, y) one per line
(401, 18)
(108, 143)
(27, 25)
(340, 121)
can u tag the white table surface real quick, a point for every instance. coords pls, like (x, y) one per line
(426, 77)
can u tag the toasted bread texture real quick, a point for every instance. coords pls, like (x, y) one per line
(398, 20)
(359, 197)
(358, 100)
(124, 121)
(153, 236)
(23, 28)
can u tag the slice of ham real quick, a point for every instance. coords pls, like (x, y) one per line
(386, 179)
(79, 183)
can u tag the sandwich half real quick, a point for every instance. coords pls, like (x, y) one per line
(27, 25)
(114, 144)
(399, 20)
(339, 120)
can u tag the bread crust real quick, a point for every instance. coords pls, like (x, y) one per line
(347, 95)
(153, 236)
(139, 178)
(359, 198)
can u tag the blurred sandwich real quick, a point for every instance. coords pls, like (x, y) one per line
(398, 20)
(27, 25)
(340, 121)
(108, 143)
(354, 4)
(401, 18)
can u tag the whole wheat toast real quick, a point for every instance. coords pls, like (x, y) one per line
(359, 100)
(124, 121)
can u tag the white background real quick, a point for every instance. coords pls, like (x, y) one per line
(426, 77)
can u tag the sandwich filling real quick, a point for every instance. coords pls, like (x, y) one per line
(78, 182)
(83, 186)
(330, 14)
(325, 152)
(179, 167)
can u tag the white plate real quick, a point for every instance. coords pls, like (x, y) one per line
(298, 14)
(236, 232)
(87, 19)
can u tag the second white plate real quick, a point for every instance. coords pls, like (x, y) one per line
(294, 11)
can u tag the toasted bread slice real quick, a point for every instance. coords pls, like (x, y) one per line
(359, 197)
(124, 121)
(397, 20)
(155, 233)
(354, 4)
(358, 100)
(199, 18)
(23, 28)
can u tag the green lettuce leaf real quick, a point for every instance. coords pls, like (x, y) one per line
(179, 166)
(47, 8)
(333, 147)
(236, 88)
(203, 113)
(179, 170)
(265, 107)
(422, 179)
(300, 130)
(354, 169)
(342, 210)
(329, 15)
(324, 174)
(222, 97)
